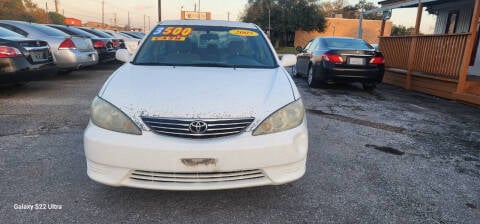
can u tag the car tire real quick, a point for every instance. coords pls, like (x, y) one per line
(312, 79)
(369, 86)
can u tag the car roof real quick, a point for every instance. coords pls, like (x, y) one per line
(334, 37)
(208, 23)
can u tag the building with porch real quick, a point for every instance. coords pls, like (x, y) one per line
(446, 63)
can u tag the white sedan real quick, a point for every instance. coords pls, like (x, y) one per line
(201, 105)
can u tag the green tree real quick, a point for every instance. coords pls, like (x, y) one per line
(56, 18)
(400, 30)
(286, 17)
(15, 10)
(350, 11)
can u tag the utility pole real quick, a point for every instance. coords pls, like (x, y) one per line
(56, 6)
(228, 16)
(46, 12)
(159, 10)
(128, 20)
(103, 14)
(360, 20)
(144, 23)
(199, 5)
(115, 19)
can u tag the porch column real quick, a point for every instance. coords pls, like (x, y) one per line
(467, 55)
(408, 83)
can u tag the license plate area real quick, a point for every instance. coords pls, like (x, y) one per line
(39, 56)
(356, 61)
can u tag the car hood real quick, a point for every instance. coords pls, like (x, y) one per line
(197, 92)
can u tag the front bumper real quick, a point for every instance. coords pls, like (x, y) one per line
(74, 59)
(114, 158)
(18, 70)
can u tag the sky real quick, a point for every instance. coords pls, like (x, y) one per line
(91, 10)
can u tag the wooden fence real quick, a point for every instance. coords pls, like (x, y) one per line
(438, 56)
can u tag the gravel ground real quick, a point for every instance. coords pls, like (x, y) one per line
(388, 156)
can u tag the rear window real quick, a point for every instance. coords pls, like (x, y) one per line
(7, 33)
(347, 43)
(97, 33)
(49, 31)
(207, 46)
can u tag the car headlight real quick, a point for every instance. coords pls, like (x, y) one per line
(107, 116)
(287, 117)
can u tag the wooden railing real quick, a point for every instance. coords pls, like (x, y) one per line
(439, 56)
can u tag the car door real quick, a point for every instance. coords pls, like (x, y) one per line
(303, 59)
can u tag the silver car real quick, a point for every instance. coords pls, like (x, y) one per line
(69, 52)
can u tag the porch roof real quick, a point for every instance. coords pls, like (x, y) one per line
(395, 4)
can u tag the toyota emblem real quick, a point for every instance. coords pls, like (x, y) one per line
(198, 127)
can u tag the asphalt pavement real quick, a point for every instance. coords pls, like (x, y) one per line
(387, 156)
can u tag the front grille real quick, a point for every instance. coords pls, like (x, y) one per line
(182, 127)
(201, 177)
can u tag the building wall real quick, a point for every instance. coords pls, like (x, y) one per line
(465, 10)
(346, 28)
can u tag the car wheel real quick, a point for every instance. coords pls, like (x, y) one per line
(311, 77)
(369, 86)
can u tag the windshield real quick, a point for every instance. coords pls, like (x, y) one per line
(347, 43)
(49, 31)
(208, 46)
(7, 33)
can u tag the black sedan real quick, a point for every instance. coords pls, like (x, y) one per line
(22, 59)
(340, 59)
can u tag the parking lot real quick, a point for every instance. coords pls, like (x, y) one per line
(387, 156)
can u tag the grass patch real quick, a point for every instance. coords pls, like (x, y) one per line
(286, 50)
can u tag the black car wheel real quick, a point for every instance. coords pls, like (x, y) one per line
(369, 86)
(312, 79)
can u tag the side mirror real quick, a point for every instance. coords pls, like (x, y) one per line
(299, 49)
(288, 60)
(123, 55)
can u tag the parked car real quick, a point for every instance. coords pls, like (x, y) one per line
(340, 59)
(130, 43)
(22, 59)
(138, 35)
(103, 46)
(201, 105)
(68, 52)
(117, 42)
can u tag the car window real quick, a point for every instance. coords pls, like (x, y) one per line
(210, 46)
(314, 45)
(7, 33)
(347, 43)
(14, 29)
(49, 31)
(307, 47)
(81, 32)
(96, 33)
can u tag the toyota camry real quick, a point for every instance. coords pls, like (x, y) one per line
(201, 105)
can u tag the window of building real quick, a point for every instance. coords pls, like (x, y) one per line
(452, 22)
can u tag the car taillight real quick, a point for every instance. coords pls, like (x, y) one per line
(99, 44)
(9, 52)
(116, 43)
(67, 44)
(377, 60)
(335, 58)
